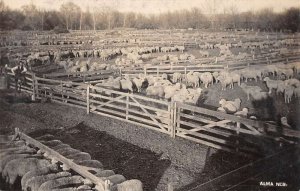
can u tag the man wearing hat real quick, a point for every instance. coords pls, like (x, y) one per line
(19, 73)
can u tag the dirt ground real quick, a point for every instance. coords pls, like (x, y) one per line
(135, 152)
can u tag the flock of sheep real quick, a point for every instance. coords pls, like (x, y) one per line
(39, 171)
(188, 88)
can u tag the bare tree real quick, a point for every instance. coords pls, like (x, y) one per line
(71, 12)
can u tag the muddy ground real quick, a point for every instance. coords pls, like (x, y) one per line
(135, 152)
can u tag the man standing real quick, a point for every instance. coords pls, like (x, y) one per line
(19, 73)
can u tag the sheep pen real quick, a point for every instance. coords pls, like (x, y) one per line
(145, 84)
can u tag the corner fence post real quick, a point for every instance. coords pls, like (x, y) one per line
(88, 99)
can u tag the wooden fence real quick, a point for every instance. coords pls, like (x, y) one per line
(204, 126)
(82, 76)
(204, 67)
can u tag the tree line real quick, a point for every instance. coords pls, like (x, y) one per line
(71, 17)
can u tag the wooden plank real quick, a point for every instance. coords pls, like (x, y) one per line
(149, 115)
(95, 107)
(203, 142)
(110, 111)
(140, 119)
(201, 128)
(129, 121)
(110, 101)
(195, 118)
(149, 107)
(106, 98)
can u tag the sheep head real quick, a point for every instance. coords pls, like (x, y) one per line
(177, 86)
(199, 90)
(266, 79)
(238, 100)
(246, 110)
(222, 102)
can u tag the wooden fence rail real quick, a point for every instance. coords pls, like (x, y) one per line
(204, 126)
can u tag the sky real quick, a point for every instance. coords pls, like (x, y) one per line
(160, 6)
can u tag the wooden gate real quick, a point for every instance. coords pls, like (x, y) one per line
(216, 129)
(148, 112)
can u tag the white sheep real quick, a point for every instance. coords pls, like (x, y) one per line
(126, 84)
(35, 182)
(164, 76)
(171, 90)
(104, 173)
(9, 157)
(225, 81)
(194, 95)
(297, 92)
(236, 78)
(250, 90)
(271, 84)
(250, 73)
(288, 93)
(81, 156)
(192, 79)
(177, 77)
(19, 167)
(215, 75)
(59, 182)
(284, 122)
(206, 78)
(130, 185)
(230, 106)
(155, 90)
(280, 87)
(292, 82)
(288, 73)
(243, 113)
(37, 172)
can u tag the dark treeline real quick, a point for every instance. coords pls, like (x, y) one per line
(70, 16)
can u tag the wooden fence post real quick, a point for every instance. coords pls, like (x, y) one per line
(238, 126)
(88, 99)
(62, 90)
(157, 71)
(173, 119)
(170, 124)
(127, 106)
(185, 75)
(145, 70)
(33, 87)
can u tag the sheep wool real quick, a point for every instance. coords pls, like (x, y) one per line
(130, 185)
